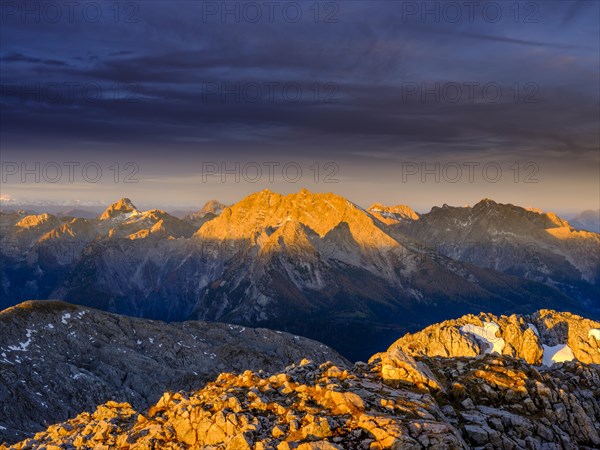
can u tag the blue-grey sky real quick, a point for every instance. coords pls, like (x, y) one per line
(502, 96)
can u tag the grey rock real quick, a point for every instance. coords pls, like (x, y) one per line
(57, 360)
(536, 245)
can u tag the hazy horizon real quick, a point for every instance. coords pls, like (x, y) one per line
(93, 205)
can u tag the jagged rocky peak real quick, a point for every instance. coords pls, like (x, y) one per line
(511, 212)
(122, 207)
(545, 338)
(485, 203)
(588, 220)
(534, 209)
(37, 220)
(487, 209)
(213, 207)
(29, 228)
(536, 245)
(320, 212)
(393, 214)
(445, 209)
(73, 229)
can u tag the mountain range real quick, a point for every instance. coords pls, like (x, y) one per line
(530, 244)
(315, 265)
(479, 381)
(587, 220)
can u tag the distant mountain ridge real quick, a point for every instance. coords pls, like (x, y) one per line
(312, 264)
(83, 209)
(123, 207)
(588, 220)
(530, 244)
(210, 210)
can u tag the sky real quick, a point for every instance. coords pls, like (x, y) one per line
(399, 102)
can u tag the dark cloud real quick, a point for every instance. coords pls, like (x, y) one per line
(510, 40)
(18, 57)
(574, 8)
(149, 85)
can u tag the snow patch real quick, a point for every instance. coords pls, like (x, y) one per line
(556, 354)
(22, 347)
(487, 334)
(534, 328)
(64, 318)
(594, 333)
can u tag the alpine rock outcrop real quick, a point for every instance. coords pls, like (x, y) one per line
(58, 359)
(480, 399)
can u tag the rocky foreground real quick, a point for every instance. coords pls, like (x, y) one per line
(491, 398)
(58, 359)
(543, 338)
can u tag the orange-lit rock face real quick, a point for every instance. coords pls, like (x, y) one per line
(393, 214)
(123, 206)
(524, 337)
(306, 259)
(65, 340)
(317, 406)
(328, 407)
(37, 221)
(322, 213)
